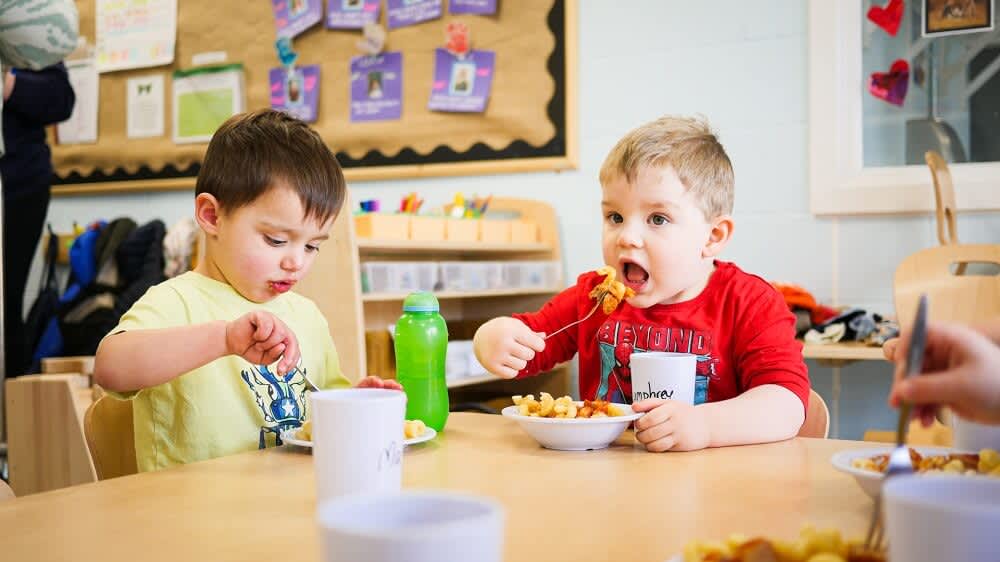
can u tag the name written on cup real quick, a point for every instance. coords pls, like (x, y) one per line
(391, 455)
(663, 394)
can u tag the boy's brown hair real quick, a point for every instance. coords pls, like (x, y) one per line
(253, 152)
(686, 144)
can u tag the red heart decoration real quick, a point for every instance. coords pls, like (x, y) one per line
(887, 17)
(891, 86)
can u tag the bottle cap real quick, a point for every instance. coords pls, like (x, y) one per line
(421, 301)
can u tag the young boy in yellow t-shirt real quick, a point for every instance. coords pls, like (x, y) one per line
(196, 354)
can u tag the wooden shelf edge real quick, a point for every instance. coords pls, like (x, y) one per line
(389, 297)
(466, 381)
(446, 246)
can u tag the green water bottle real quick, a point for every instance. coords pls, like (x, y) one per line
(421, 344)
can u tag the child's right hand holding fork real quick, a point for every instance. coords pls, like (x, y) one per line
(505, 345)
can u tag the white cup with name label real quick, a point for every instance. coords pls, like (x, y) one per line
(972, 436)
(661, 374)
(357, 440)
(935, 517)
(424, 526)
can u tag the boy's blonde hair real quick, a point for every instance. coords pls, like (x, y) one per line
(686, 144)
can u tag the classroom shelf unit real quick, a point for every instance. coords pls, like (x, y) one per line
(335, 285)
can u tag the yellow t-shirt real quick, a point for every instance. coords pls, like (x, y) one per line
(229, 405)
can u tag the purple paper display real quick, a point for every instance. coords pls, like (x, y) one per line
(351, 14)
(462, 85)
(480, 7)
(377, 87)
(408, 12)
(292, 17)
(298, 96)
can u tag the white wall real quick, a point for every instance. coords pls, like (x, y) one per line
(741, 64)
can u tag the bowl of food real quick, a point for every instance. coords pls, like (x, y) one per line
(868, 465)
(812, 544)
(567, 425)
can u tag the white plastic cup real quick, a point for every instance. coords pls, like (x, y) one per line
(971, 436)
(413, 527)
(933, 517)
(357, 440)
(661, 374)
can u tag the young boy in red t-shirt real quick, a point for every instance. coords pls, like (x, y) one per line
(667, 199)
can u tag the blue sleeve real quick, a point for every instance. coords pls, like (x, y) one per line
(42, 97)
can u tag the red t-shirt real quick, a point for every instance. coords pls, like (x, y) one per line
(739, 327)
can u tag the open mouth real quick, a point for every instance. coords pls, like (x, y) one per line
(634, 276)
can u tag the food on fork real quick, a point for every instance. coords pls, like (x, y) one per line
(611, 291)
(813, 545)
(411, 429)
(987, 462)
(563, 407)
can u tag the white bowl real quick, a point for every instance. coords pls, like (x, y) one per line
(577, 434)
(869, 480)
(960, 516)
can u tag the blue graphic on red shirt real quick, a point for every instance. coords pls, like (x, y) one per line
(617, 340)
(280, 398)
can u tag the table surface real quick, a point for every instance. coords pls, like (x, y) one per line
(618, 503)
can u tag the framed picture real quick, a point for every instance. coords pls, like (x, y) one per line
(951, 17)
(294, 89)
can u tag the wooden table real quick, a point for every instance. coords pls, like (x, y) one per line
(838, 354)
(621, 503)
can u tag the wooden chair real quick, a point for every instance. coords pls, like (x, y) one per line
(944, 202)
(952, 297)
(6, 493)
(46, 447)
(111, 437)
(817, 422)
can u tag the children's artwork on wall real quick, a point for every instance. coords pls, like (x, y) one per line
(351, 14)
(145, 106)
(203, 99)
(479, 7)
(292, 17)
(377, 87)
(296, 91)
(891, 86)
(462, 84)
(135, 33)
(887, 17)
(409, 12)
(951, 17)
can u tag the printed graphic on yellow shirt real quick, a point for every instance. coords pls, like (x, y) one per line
(282, 399)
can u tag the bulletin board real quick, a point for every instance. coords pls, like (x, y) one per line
(529, 123)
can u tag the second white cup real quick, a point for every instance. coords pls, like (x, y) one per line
(357, 441)
(661, 374)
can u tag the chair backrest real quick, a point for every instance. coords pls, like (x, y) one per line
(6, 493)
(944, 198)
(967, 298)
(111, 437)
(817, 423)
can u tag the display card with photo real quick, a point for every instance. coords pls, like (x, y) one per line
(462, 84)
(292, 17)
(408, 12)
(296, 92)
(377, 87)
(351, 14)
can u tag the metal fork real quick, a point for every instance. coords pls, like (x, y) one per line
(574, 323)
(899, 459)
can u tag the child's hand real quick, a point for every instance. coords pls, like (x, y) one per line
(505, 345)
(262, 338)
(670, 425)
(376, 382)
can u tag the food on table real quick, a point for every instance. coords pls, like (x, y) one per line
(611, 291)
(563, 407)
(813, 545)
(411, 429)
(986, 462)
